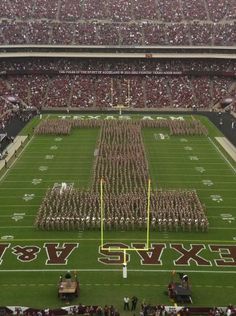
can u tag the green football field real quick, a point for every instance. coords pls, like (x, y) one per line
(29, 275)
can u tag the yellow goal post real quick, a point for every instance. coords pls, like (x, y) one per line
(102, 223)
(120, 107)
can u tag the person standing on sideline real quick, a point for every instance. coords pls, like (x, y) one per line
(134, 301)
(126, 303)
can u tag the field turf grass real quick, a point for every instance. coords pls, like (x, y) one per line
(34, 283)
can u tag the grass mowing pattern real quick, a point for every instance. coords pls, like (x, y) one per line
(170, 167)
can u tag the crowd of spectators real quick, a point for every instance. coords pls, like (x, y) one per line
(118, 22)
(107, 310)
(60, 83)
(160, 310)
(11, 107)
(135, 64)
(107, 91)
(81, 309)
(110, 310)
(7, 112)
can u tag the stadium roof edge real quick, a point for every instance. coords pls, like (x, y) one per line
(120, 47)
(114, 55)
(15, 51)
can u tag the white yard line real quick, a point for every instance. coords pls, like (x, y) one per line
(197, 174)
(216, 189)
(119, 270)
(200, 183)
(194, 161)
(223, 156)
(217, 206)
(222, 228)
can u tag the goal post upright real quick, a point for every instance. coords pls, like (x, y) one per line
(148, 212)
(125, 250)
(102, 212)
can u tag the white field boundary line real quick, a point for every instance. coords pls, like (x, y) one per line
(223, 156)
(215, 189)
(189, 161)
(228, 147)
(217, 206)
(118, 270)
(13, 163)
(12, 149)
(183, 156)
(198, 174)
(222, 228)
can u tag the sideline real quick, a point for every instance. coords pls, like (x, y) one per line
(12, 149)
(228, 146)
(13, 163)
(219, 151)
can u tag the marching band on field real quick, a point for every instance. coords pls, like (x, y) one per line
(121, 161)
(80, 210)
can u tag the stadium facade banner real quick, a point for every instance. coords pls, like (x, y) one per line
(119, 72)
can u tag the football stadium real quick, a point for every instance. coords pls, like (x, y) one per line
(117, 157)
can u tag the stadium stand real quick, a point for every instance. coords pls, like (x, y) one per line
(120, 22)
(145, 309)
(92, 83)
